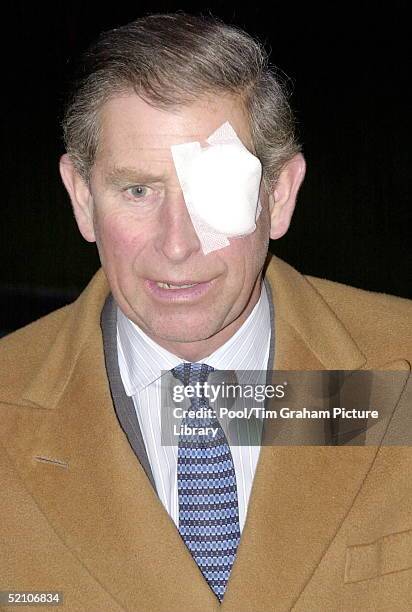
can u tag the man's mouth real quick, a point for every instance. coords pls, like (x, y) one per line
(165, 285)
(175, 292)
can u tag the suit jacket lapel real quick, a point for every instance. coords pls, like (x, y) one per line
(123, 404)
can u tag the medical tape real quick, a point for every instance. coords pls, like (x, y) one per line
(220, 185)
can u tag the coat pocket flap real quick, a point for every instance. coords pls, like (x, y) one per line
(388, 554)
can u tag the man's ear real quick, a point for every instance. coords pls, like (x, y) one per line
(282, 199)
(80, 197)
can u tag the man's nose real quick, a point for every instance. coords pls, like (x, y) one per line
(177, 238)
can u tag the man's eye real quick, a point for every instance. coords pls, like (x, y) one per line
(139, 191)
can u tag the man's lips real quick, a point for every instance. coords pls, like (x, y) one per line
(167, 284)
(183, 290)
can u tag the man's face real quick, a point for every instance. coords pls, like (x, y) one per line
(145, 236)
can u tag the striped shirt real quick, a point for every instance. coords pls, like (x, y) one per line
(141, 362)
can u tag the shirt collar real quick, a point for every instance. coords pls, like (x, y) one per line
(142, 360)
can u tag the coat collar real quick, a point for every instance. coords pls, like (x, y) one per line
(81, 330)
(307, 332)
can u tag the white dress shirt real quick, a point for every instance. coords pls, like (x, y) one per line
(141, 361)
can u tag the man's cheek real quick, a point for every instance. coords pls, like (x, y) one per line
(247, 247)
(122, 239)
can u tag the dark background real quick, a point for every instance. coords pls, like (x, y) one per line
(350, 68)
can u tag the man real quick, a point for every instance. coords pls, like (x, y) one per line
(93, 504)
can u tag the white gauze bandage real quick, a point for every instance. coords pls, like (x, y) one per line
(220, 185)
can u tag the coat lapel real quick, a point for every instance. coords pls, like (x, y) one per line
(81, 461)
(301, 494)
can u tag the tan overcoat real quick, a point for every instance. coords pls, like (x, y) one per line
(328, 529)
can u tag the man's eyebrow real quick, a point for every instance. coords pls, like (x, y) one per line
(122, 175)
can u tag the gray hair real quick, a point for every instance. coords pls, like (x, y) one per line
(174, 59)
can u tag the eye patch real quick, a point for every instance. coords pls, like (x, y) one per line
(220, 185)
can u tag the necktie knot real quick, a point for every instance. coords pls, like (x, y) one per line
(192, 373)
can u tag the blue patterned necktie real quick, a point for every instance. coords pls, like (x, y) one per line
(206, 480)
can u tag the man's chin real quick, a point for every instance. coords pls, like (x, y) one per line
(181, 337)
(177, 336)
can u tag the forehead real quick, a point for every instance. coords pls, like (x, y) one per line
(131, 130)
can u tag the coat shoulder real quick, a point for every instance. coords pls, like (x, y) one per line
(36, 334)
(23, 351)
(51, 344)
(381, 324)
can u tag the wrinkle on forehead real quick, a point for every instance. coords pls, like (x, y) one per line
(150, 129)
